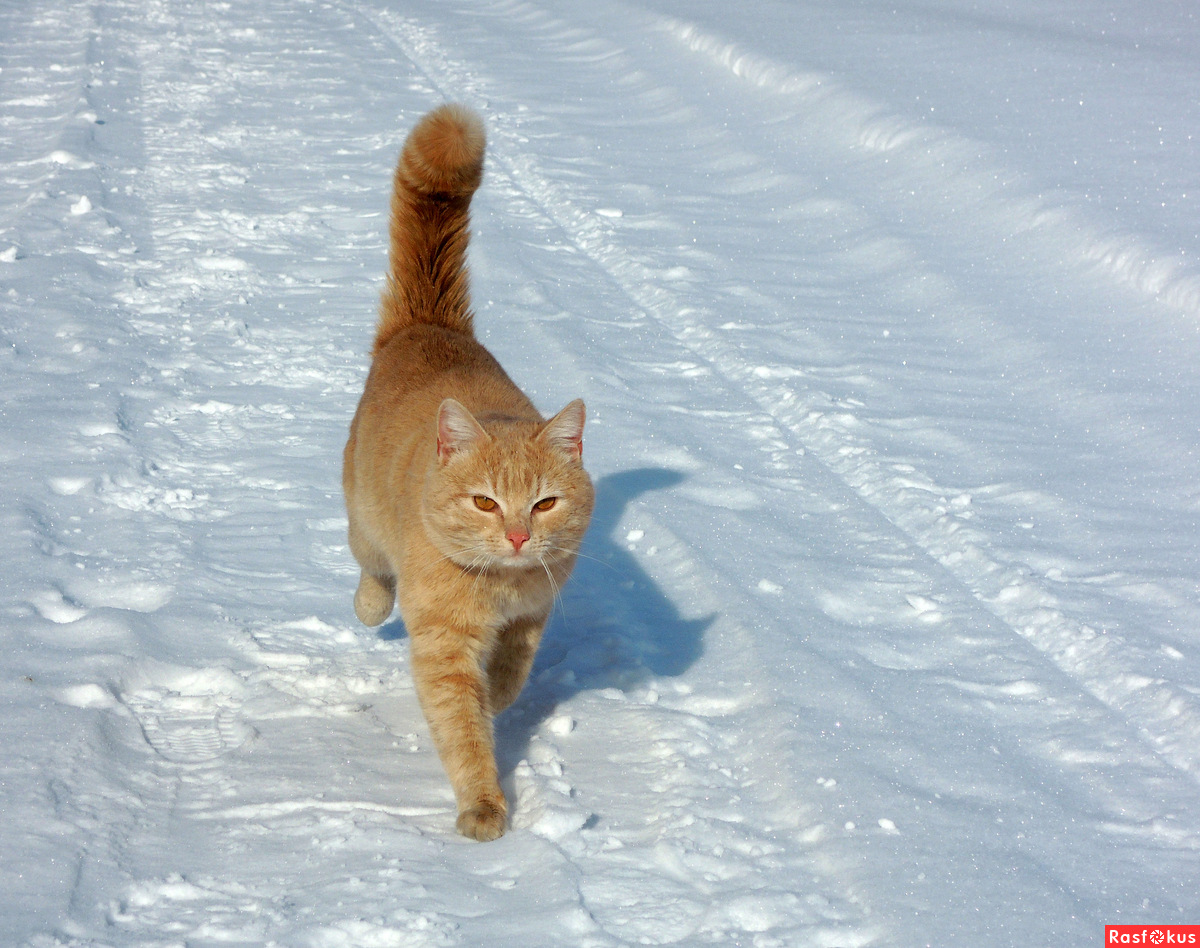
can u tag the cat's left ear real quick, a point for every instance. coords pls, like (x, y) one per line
(565, 430)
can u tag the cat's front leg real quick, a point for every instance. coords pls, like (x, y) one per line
(509, 665)
(452, 688)
(376, 593)
(374, 599)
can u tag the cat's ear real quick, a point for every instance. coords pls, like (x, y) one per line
(457, 429)
(565, 430)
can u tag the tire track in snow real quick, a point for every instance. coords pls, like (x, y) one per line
(851, 122)
(44, 130)
(920, 509)
(1168, 716)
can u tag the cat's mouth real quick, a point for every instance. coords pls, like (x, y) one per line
(517, 559)
(500, 559)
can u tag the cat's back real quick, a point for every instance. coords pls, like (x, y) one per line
(422, 365)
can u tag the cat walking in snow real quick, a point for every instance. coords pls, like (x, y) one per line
(465, 505)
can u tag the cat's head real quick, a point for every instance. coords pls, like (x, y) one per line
(511, 495)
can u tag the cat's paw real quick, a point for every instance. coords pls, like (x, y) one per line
(373, 600)
(485, 821)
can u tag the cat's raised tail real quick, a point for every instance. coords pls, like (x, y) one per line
(440, 167)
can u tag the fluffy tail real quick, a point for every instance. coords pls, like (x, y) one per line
(440, 167)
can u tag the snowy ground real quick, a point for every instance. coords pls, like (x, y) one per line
(887, 315)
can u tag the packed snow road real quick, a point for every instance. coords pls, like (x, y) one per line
(887, 630)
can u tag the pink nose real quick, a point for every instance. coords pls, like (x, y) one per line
(517, 538)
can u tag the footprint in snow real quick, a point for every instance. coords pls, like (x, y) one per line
(188, 728)
(83, 594)
(53, 606)
(545, 799)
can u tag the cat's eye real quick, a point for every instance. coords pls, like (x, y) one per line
(484, 503)
(546, 503)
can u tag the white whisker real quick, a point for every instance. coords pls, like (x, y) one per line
(585, 556)
(557, 593)
(479, 565)
(469, 549)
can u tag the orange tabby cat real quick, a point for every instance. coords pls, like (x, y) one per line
(464, 503)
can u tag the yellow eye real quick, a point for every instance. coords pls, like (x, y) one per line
(545, 504)
(484, 503)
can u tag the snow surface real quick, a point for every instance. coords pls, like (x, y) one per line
(887, 315)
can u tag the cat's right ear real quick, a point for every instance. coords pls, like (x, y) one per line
(457, 429)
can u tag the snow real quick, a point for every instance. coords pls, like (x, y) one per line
(887, 317)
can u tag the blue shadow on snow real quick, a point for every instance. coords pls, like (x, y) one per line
(615, 627)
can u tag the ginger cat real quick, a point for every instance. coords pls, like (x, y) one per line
(464, 503)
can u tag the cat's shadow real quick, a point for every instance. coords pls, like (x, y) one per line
(613, 626)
